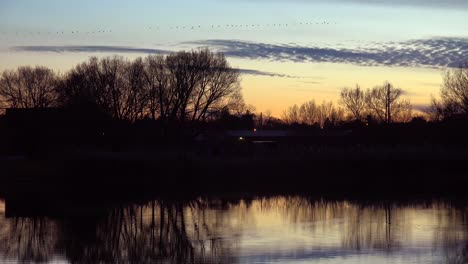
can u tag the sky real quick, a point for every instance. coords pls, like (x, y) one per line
(289, 51)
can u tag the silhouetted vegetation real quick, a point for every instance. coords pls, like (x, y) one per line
(312, 114)
(28, 87)
(355, 102)
(184, 86)
(179, 122)
(384, 102)
(454, 96)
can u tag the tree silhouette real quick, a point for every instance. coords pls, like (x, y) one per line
(354, 100)
(385, 102)
(159, 90)
(454, 95)
(181, 87)
(202, 83)
(313, 114)
(28, 87)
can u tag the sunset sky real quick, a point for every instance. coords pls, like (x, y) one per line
(289, 51)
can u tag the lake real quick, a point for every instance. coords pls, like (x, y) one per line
(235, 229)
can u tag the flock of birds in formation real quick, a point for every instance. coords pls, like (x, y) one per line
(172, 28)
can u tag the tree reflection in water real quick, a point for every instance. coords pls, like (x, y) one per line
(28, 239)
(136, 233)
(225, 231)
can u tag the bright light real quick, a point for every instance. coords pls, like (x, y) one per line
(241, 138)
(255, 130)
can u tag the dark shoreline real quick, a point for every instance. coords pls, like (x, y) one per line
(380, 172)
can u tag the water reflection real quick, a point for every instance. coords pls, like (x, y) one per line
(262, 230)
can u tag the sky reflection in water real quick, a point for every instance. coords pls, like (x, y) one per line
(262, 230)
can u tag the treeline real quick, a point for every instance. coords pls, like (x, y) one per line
(385, 104)
(381, 104)
(313, 114)
(200, 85)
(180, 87)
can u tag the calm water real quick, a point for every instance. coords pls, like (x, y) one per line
(261, 230)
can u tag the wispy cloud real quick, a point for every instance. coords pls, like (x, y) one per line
(263, 73)
(436, 52)
(412, 3)
(90, 49)
(421, 107)
(119, 49)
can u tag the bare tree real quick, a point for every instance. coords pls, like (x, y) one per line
(134, 96)
(95, 82)
(184, 71)
(354, 100)
(217, 82)
(191, 86)
(336, 115)
(291, 115)
(236, 105)
(111, 72)
(28, 87)
(160, 95)
(183, 86)
(81, 87)
(313, 114)
(454, 95)
(310, 113)
(385, 102)
(114, 84)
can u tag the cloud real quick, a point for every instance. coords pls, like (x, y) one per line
(263, 73)
(431, 53)
(436, 52)
(420, 107)
(311, 82)
(411, 3)
(119, 49)
(90, 49)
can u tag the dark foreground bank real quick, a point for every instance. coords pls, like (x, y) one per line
(404, 170)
